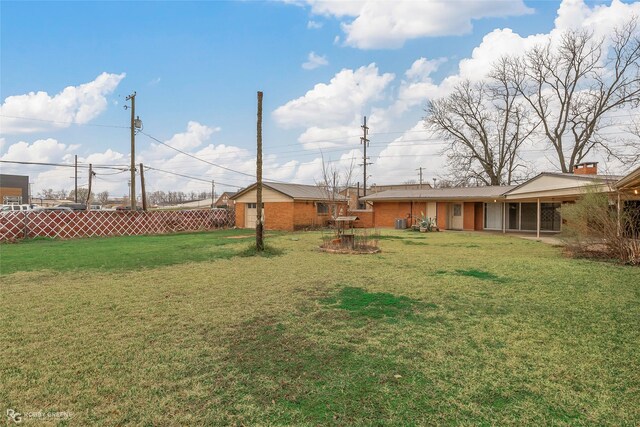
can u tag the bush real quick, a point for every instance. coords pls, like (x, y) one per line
(594, 227)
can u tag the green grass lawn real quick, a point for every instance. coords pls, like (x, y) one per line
(439, 328)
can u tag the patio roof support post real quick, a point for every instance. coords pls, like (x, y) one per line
(538, 220)
(618, 218)
(504, 217)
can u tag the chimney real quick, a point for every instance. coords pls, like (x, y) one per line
(586, 168)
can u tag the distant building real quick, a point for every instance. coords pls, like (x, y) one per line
(223, 200)
(14, 189)
(354, 193)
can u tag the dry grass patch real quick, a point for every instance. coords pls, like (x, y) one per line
(463, 329)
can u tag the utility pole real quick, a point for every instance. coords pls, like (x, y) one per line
(213, 192)
(420, 169)
(132, 186)
(144, 192)
(88, 201)
(259, 229)
(365, 142)
(75, 196)
(129, 184)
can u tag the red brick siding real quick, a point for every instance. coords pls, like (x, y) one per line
(386, 213)
(306, 215)
(365, 218)
(278, 216)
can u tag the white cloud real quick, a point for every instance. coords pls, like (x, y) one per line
(413, 91)
(155, 81)
(75, 104)
(329, 104)
(42, 150)
(315, 138)
(389, 24)
(195, 136)
(398, 161)
(422, 68)
(52, 151)
(314, 61)
(314, 25)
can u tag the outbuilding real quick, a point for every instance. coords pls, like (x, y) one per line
(288, 206)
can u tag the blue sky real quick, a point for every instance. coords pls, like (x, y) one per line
(196, 68)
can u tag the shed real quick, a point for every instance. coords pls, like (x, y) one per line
(287, 206)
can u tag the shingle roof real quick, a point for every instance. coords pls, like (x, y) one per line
(441, 193)
(296, 191)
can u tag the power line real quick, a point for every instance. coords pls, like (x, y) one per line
(66, 165)
(195, 157)
(206, 161)
(191, 177)
(63, 122)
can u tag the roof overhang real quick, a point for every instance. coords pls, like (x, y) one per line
(630, 183)
(337, 199)
(433, 199)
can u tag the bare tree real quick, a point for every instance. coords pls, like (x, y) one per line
(47, 193)
(485, 126)
(573, 85)
(103, 197)
(82, 194)
(334, 181)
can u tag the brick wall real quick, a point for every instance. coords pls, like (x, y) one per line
(366, 218)
(386, 213)
(278, 216)
(305, 215)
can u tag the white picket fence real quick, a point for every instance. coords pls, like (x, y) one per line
(71, 225)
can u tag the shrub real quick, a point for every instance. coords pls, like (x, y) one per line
(595, 226)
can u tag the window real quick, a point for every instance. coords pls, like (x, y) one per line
(457, 209)
(252, 205)
(528, 216)
(550, 218)
(493, 216)
(322, 208)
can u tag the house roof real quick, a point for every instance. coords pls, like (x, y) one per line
(576, 177)
(629, 181)
(441, 193)
(295, 191)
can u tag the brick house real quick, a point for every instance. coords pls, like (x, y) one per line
(287, 206)
(224, 200)
(533, 206)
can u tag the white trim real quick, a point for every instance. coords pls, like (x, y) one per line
(538, 218)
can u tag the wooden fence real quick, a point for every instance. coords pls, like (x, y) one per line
(71, 225)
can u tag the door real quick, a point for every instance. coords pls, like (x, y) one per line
(455, 222)
(250, 215)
